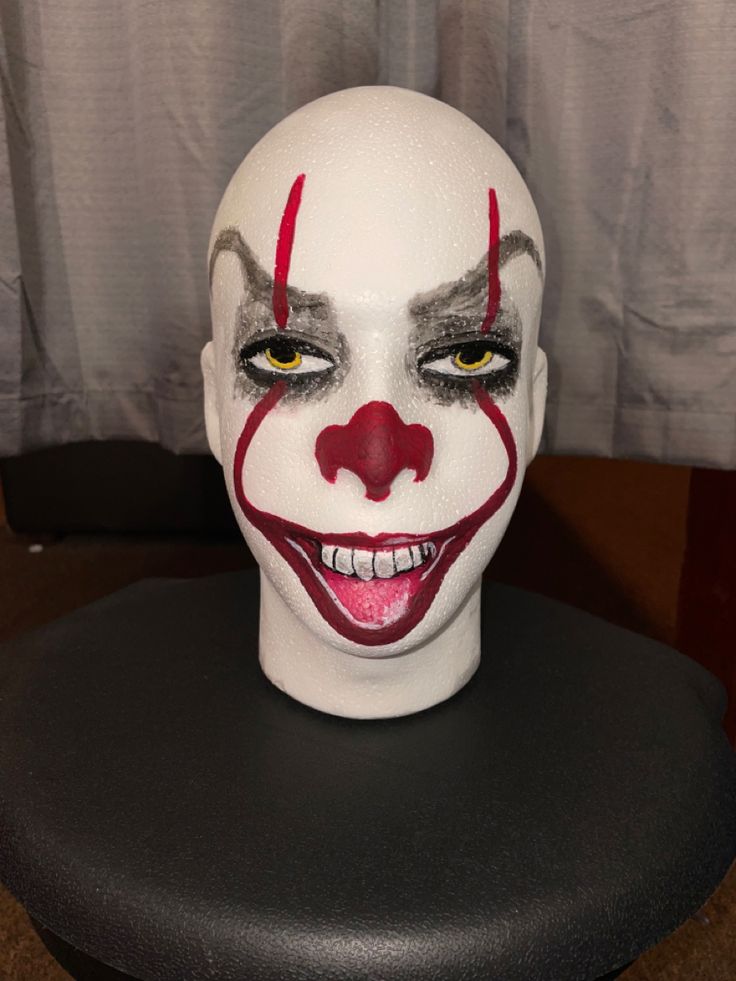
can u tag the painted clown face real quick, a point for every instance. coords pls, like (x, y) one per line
(374, 388)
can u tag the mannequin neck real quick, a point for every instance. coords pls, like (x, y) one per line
(311, 671)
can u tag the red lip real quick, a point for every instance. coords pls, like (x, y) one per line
(300, 546)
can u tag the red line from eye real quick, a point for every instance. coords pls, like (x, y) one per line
(284, 245)
(494, 283)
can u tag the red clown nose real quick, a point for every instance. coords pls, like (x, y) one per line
(376, 445)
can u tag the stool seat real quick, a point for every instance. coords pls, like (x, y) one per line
(167, 811)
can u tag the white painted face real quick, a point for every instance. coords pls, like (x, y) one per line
(374, 389)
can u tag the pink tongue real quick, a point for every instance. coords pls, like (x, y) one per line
(378, 601)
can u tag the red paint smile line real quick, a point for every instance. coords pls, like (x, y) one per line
(379, 611)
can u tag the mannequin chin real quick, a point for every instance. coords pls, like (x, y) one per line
(374, 389)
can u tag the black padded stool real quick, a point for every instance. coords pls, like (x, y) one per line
(167, 815)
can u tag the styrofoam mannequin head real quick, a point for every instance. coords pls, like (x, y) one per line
(374, 389)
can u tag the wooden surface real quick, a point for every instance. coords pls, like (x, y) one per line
(706, 627)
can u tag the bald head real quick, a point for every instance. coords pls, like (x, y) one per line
(394, 200)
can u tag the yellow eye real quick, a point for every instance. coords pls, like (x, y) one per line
(285, 360)
(470, 361)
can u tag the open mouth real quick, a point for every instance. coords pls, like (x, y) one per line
(372, 589)
(374, 586)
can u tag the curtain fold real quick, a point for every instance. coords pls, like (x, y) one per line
(124, 119)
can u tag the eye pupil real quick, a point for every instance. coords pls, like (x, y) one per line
(472, 356)
(283, 354)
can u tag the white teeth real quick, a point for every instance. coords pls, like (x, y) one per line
(402, 557)
(328, 556)
(344, 561)
(385, 564)
(363, 564)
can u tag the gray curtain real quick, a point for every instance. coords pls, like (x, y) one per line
(123, 120)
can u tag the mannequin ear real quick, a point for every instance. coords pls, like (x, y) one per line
(537, 404)
(211, 411)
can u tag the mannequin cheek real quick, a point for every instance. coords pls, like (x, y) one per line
(211, 407)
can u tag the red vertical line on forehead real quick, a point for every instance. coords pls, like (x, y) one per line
(494, 284)
(284, 245)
